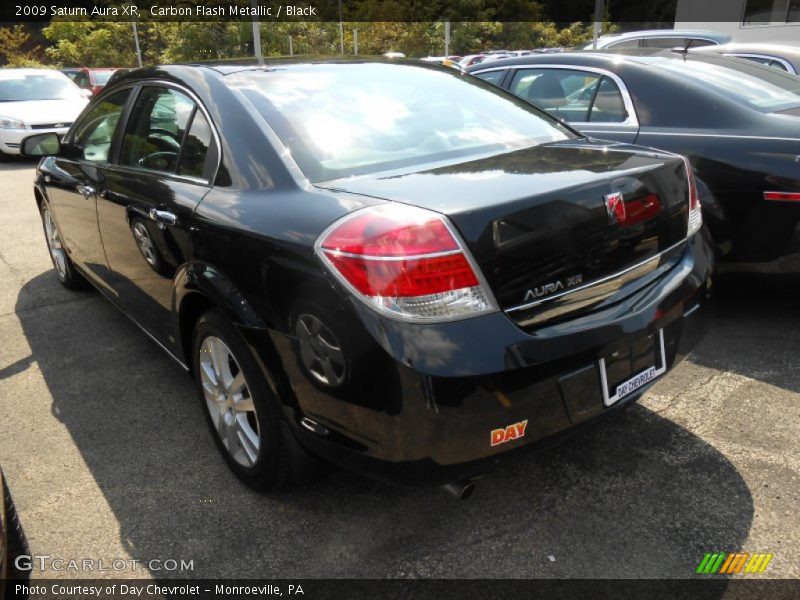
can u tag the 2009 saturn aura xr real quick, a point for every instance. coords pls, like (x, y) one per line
(393, 266)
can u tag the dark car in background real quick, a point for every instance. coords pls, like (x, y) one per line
(93, 79)
(780, 56)
(738, 122)
(391, 265)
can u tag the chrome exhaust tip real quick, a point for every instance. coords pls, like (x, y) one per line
(461, 490)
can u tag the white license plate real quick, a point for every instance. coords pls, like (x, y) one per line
(637, 381)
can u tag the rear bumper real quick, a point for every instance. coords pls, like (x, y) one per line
(427, 418)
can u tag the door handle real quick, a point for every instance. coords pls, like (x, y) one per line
(85, 190)
(163, 216)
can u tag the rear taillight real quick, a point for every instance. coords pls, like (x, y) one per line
(695, 212)
(405, 261)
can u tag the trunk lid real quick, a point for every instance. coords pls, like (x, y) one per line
(558, 228)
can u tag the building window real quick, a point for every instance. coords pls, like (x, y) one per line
(793, 14)
(765, 12)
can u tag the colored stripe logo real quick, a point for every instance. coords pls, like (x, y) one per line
(728, 563)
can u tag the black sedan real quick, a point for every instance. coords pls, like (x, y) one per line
(394, 266)
(738, 122)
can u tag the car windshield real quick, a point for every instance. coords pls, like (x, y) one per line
(340, 120)
(759, 87)
(18, 87)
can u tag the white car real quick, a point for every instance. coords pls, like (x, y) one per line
(36, 101)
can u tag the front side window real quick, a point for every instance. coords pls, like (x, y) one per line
(94, 132)
(156, 128)
(340, 120)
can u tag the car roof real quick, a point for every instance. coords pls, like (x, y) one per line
(223, 68)
(608, 59)
(649, 33)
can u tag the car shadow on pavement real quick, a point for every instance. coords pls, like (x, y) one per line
(756, 329)
(635, 496)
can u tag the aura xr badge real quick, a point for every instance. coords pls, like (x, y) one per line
(547, 289)
(615, 208)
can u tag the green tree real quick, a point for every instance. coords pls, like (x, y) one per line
(16, 48)
(90, 44)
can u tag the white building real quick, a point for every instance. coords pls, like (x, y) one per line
(774, 21)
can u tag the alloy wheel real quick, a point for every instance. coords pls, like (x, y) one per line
(320, 351)
(145, 243)
(229, 401)
(54, 244)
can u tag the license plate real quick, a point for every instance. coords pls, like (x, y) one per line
(639, 380)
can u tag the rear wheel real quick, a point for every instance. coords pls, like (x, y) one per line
(240, 408)
(65, 269)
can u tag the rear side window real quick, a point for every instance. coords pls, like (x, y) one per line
(572, 95)
(494, 77)
(156, 129)
(608, 105)
(195, 147)
(94, 132)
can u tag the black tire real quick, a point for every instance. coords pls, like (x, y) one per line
(271, 469)
(69, 277)
(16, 543)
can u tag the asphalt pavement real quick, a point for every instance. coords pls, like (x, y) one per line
(107, 454)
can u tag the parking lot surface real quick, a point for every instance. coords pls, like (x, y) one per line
(108, 456)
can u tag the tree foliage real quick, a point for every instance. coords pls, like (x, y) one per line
(97, 44)
(17, 48)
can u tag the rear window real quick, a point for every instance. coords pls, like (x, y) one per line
(340, 120)
(763, 88)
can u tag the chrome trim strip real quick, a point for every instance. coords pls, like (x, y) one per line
(388, 258)
(692, 310)
(719, 135)
(631, 121)
(596, 282)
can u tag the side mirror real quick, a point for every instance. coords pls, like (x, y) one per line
(41, 144)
